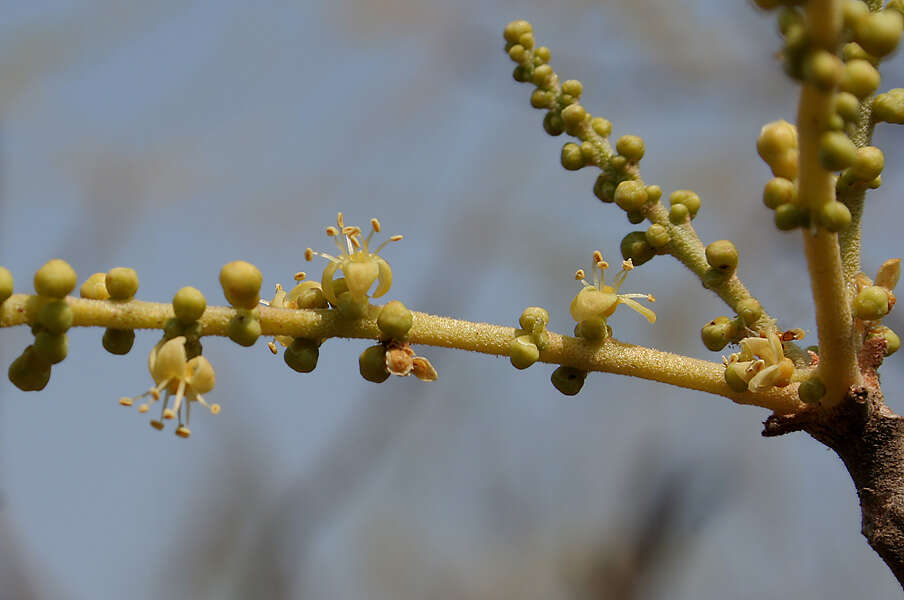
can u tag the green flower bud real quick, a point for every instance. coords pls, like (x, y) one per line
(834, 216)
(189, 304)
(892, 341)
(848, 106)
(635, 246)
(836, 151)
(122, 283)
(775, 139)
(592, 330)
(789, 17)
(654, 193)
(630, 195)
(779, 191)
(789, 216)
(679, 214)
(541, 99)
(568, 380)
(860, 78)
(244, 328)
(734, 377)
(526, 40)
(718, 333)
(372, 364)
(56, 316)
(868, 163)
(521, 74)
(688, 198)
(542, 77)
(657, 236)
(750, 311)
(95, 287)
(879, 32)
(6, 284)
(811, 390)
(822, 69)
(308, 294)
(241, 283)
(854, 51)
(604, 189)
(523, 352)
(55, 279)
(635, 216)
(631, 147)
(853, 11)
(618, 162)
(395, 320)
(589, 153)
(534, 318)
(553, 124)
(722, 256)
(572, 159)
(541, 55)
(351, 307)
(514, 30)
(573, 88)
(119, 341)
(872, 303)
(602, 127)
(51, 347)
(302, 354)
(29, 372)
(517, 53)
(889, 107)
(875, 183)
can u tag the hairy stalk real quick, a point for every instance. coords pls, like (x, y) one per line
(837, 355)
(610, 356)
(861, 133)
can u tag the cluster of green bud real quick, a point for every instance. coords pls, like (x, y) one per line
(657, 237)
(119, 283)
(95, 287)
(777, 146)
(878, 33)
(864, 171)
(890, 338)
(636, 248)
(568, 380)
(395, 320)
(889, 107)
(531, 338)
(241, 283)
(722, 331)
(684, 205)
(301, 354)
(722, 257)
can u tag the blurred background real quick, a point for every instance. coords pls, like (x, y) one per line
(173, 137)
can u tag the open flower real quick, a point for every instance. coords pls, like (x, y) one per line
(361, 266)
(597, 301)
(178, 378)
(761, 364)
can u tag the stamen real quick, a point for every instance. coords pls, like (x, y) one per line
(301, 274)
(340, 220)
(351, 230)
(332, 231)
(375, 223)
(597, 257)
(126, 401)
(272, 347)
(579, 274)
(144, 408)
(158, 425)
(395, 238)
(308, 254)
(355, 242)
(628, 265)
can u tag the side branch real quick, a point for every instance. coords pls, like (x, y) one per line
(610, 356)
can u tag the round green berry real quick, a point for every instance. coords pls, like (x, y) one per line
(52, 347)
(634, 246)
(679, 214)
(688, 198)
(553, 124)
(122, 283)
(573, 88)
(6, 284)
(822, 69)
(631, 147)
(29, 372)
(788, 216)
(568, 380)
(811, 390)
(395, 320)
(244, 328)
(241, 283)
(868, 163)
(95, 287)
(56, 316)
(602, 127)
(779, 191)
(523, 352)
(872, 303)
(879, 32)
(836, 151)
(118, 341)
(834, 216)
(55, 279)
(572, 158)
(860, 78)
(372, 364)
(750, 311)
(891, 339)
(722, 256)
(302, 354)
(189, 304)
(657, 236)
(631, 195)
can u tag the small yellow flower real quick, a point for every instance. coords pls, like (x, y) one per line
(360, 265)
(597, 301)
(761, 363)
(175, 376)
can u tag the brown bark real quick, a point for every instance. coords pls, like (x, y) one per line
(869, 439)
